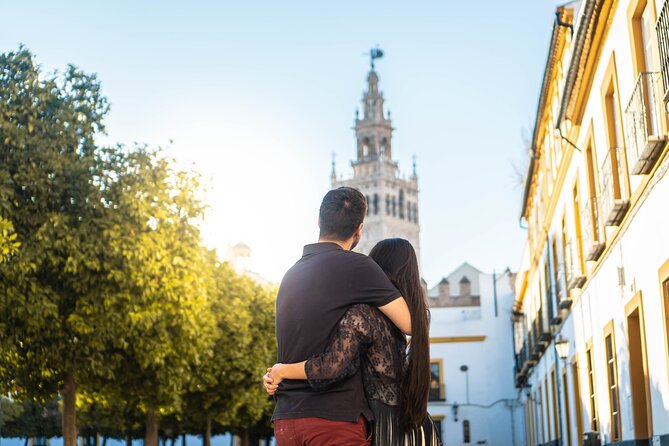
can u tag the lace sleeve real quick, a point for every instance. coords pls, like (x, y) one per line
(341, 357)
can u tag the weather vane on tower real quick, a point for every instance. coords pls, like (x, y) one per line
(374, 53)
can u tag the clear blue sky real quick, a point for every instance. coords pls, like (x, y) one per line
(259, 94)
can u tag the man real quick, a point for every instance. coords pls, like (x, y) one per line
(314, 294)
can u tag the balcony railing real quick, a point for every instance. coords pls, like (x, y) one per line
(643, 122)
(562, 294)
(614, 204)
(662, 29)
(437, 393)
(593, 235)
(573, 265)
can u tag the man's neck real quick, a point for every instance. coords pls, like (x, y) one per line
(345, 245)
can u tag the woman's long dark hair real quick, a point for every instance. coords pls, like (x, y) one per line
(398, 260)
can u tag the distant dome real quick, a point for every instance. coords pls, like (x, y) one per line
(241, 250)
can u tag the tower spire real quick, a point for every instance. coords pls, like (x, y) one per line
(333, 174)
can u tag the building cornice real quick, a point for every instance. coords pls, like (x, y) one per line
(557, 40)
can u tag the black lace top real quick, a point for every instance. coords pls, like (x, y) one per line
(366, 339)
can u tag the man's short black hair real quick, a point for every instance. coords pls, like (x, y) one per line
(342, 211)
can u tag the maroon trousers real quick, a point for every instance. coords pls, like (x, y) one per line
(322, 432)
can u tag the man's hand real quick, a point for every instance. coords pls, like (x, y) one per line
(271, 379)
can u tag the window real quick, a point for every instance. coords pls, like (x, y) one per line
(663, 43)
(664, 285)
(612, 374)
(437, 388)
(577, 228)
(567, 411)
(401, 204)
(409, 211)
(394, 207)
(387, 205)
(592, 396)
(369, 204)
(557, 286)
(556, 418)
(578, 410)
(614, 174)
(376, 204)
(642, 18)
(529, 425)
(638, 368)
(466, 432)
(547, 409)
(415, 213)
(539, 410)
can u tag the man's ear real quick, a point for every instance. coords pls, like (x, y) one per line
(358, 232)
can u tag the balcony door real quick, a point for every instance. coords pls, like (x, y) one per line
(638, 369)
(647, 30)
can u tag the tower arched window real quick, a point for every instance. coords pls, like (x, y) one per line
(387, 204)
(384, 147)
(394, 206)
(401, 204)
(415, 213)
(365, 150)
(466, 432)
(409, 211)
(368, 204)
(376, 204)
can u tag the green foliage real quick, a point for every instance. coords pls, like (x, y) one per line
(105, 278)
(164, 284)
(226, 386)
(29, 418)
(8, 243)
(47, 156)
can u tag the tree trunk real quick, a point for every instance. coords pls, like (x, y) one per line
(183, 439)
(151, 437)
(97, 439)
(174, 440)
(245, 438)
(128, 439)
(69, 393)
(104, 441)
(206, 438)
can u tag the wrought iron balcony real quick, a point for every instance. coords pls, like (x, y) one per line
(643, 122)
(593, 235)
(662, 29)
(614, 204)
(573, 265)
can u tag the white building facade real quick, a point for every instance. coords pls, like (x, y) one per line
(392, 197)
(473, 398)
(592, 305)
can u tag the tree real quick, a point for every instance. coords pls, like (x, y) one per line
(55, 288)
(166, 277)
(224, 392)
(29, 419)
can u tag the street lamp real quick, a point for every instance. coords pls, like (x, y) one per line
(562, 347)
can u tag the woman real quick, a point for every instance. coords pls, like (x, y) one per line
(396, 380)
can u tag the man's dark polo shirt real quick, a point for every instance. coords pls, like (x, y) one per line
(313, 296)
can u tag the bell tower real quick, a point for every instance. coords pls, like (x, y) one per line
(392, 198)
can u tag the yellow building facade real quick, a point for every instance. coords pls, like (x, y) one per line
(591, 316)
